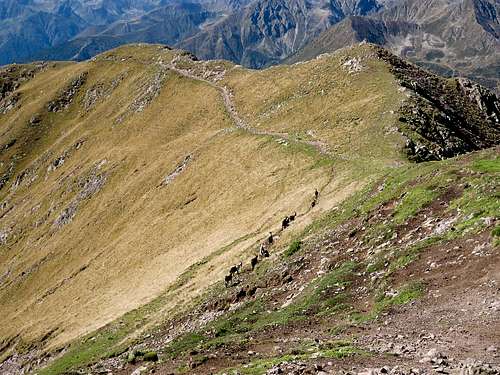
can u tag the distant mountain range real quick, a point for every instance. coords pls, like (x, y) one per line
(459, 37)
(451, 37)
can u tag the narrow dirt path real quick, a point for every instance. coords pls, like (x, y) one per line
(239, 123)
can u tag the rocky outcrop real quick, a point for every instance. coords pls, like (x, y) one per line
(444, 117)
(65, 98)
(88, 185)
(11, 78)
(101, 90)
(177, 171)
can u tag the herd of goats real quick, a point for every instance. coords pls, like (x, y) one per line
(263, 251)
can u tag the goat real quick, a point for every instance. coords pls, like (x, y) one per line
(270, 239)
(235, 269)
(263, 252)
(254, 261)
(292, 217)
(228, 279)
(285, 223)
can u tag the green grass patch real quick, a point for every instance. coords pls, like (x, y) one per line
(495, 233)
(379, 233)
(405, 295)
(413, 202)
(376, 264)
(184, 343)
(479, 201)
(150, 357)
(487, 166)
(293, 248)
(260, 366)
(330, 350)
(402, 261)
(383, 302)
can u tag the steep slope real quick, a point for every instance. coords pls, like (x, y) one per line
(132, 182)
(353, 30)
(387, 282)
(452, 38)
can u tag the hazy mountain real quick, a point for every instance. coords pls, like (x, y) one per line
(168, 24)
(450, 37)
(66, 29)
(268, 31)
(27, 26)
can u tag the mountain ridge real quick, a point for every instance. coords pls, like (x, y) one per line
(450, 38)
(133, 181)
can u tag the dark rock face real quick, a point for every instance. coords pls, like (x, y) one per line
(487, 16)
(11, 78)
(444, 118)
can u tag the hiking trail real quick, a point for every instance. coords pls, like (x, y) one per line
(239, 123)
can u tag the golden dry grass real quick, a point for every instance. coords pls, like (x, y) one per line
(131, 240)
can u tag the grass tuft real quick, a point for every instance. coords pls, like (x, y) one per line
(293, 248)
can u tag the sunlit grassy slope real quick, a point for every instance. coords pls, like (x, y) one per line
(99, 234)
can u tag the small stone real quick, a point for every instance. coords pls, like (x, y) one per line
(139, 370)
(441, 370)
(35, 120)
(434, 353)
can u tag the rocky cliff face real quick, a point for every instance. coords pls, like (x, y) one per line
(444, 118)
(353, 30)
(487, 16)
